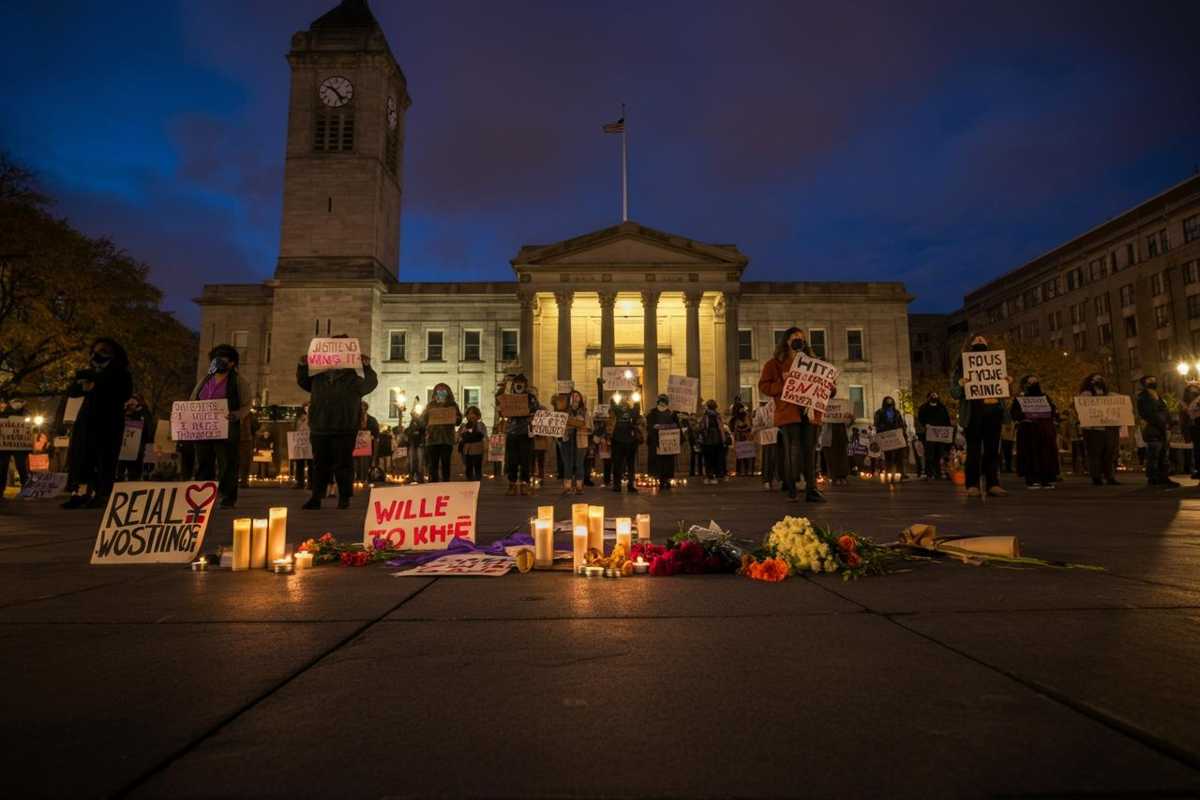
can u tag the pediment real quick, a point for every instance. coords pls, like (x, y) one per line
(633, 245)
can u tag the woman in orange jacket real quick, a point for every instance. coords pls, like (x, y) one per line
(798, 428)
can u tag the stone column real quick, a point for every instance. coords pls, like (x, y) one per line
(608, 329)
(650, 346)
(526, 336)
(564, 300)
(691, 299)
(733, 372)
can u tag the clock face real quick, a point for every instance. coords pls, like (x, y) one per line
(336, 91)
(392, 116)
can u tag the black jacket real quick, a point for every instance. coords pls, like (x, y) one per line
(929, 414)
(1152, 411)
(336, 398)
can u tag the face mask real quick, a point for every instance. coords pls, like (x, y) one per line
(797, 344)
(933, 401)
(100, 359)
(219, 365)
(979, 347)
(518, 387)
(440, 395)
(1152, 384)
(662, 406)
(888, 404)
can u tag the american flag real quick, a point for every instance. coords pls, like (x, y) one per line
(615, 127)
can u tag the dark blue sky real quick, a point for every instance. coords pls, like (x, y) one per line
(937, 144)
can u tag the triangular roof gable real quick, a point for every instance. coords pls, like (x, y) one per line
(630, 243)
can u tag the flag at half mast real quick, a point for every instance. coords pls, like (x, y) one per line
(615, 127)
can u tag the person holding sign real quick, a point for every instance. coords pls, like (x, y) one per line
(139, 427)
(932, 412)
(517, 407)
(105, 384)
(1037, 434)
(889, 418)
(1189, 422)
(981, 419)
(768, 437)
(572, 447)
(625, 422)
(1152, 411)
(334, 413)
(442, 416)
(14, 411)
(219, 459)
(1100, 444)
(797, 426)
(472, 441)
(661, 418)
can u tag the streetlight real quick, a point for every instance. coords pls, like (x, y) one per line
(636, 397)
(628, 374)
(39, 420)
(1183, 368)
(616, 398)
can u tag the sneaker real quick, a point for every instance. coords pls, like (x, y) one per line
(1047, 485)
(313, 504)
(973, 491)
(1030, 486)
(996, 491)
(766, 486)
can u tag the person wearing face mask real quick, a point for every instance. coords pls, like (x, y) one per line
(661, 418)
(932, 412)
(764, 420)
(741, 424)
(1100, 443)
(1189, 422)
(104, 384)
(981, 421)
(472, 442)
(20, 458)
(715, 438)
(220, 460)
(136, 412)
(439, 439)
(625, 421)
(889, 418)
(797, 426)
(572, 447)
(301, 465)
(1155, 421)
(518, 446)
(1037, 436)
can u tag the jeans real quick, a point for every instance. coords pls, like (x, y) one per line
(570, 459)
(799, 442)
(218, 460)
(333, 455)
(624, 457)
(439, 461)
(298, 467)
(983, 449)
(770, 457)
(474, 467)
(1157, 455)
(518, 449)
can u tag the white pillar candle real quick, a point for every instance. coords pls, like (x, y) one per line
(579, 551)
(543, 544)
(546, 513)
(579, 515)
(304, 560)
(241, 543)
(276, 533)
(643, 526)
(596, 528)
(258, 544)
(624, 534)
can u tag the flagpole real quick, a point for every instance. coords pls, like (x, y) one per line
(624, 169)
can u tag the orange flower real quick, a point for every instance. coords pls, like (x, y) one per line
(772, 570)
(846, 543)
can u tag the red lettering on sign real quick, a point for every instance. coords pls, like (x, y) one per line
(440, 506)
(383, 514)
(420, 535)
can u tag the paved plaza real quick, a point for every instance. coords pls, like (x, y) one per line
(943, 680)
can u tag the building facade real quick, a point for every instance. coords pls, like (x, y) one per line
(626, 295)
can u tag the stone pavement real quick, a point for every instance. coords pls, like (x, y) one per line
(943, 680)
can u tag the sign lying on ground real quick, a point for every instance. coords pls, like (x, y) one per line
(15, 434)
(940, 433)
(424, 516)
(326, 354)
(548, 423)
(810, 383)
(199, 420)
(478, 564)
(985, 375)
(44, 484)
(683, 393)
(154, 523)
(1105, 411)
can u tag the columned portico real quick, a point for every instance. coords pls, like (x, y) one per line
(732, 364)
(525, 345)
(608, 334)
(691, 300)
(650, 387)
(564, 301)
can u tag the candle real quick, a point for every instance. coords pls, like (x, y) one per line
(643, 526)
(593, 572)
(624, 537)
(304, 560)
(579, 514)
(543, 544)
(276, 533)
(282, 566)
(241, 543)
(640, 567)
(579, 551)
(596, 528)
(546, 513)
(258, 544)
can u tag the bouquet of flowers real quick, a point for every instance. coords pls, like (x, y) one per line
(327, 548)
(805, 547)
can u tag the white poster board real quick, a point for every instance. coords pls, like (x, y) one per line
(15, 434)
(768, 436)
(131, 441)
(425, 516)
(71, 410)
(44, 484)
(476, 564)
(548, 423)
(600, 411)
(199, 420)
(1104, 411)
(810, 383)
(615, 380)
(299, 446)
(564, 387)
(327, 354)
(985, 375)
(668, 442)
(683, 393)
(742, 450)
(891, 440)
(839, 410)
(940, 433)
(1037, 407)
(154, 523)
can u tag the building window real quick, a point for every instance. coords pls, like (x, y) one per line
(745, 345)
(995, 313)
(1054, 320)
(1164, 350)
(267, 348)
(778, 335)
(1105, 333)
(1193, 306)
(1134, 361)
(1191, 272)
(1012, 307)
(1032, 331)
(1112, 262)
(1074, 279)
(1102, 304)
(1080, 341)
(1130, 254)
(1077, 312)
(470, 398)
(391, 149)
(1158, 284)
(1164, 240)
(1050, 289)
(1032, 297)
(509, 349)
(854, 345)
(1130, 327)
(472, 346)
(1191, 228)
(240, 340)
(1152, 245)
(433, 345)
(816, 340)
(858, 401)
(1127, 297)
(1096, 269)
(334, 131)
(1162, 316)
(1014, 334)
(397, 346)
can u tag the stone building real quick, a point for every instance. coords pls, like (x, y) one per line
(624, 295)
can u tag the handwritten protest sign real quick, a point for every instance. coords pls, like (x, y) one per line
(422, 516)
(15, 434)
(768, 436)
(514, 405)
(742, 450)
(299, 446)
(940, 433)
(44, 484)
(71, 409)
(131, 442)
(39, 462)
(478, 564)
(683, 393)
(891, 440)
(615, 380)
(668, 442)
(442, 415)
(496, 448)
(839, 410)
(326, 354)
(1035, 407)
(199, 420)
(564, 387)
(548, 423)
(362, 444)
(810, 383)
(600, 411)
(154, 523)
(1104, 411)
(985, 374)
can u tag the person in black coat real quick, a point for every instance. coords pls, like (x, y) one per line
(1156, 421)
(932, 412)
(104, 385)
(661, 418)
(889, 418)
(1037, 434)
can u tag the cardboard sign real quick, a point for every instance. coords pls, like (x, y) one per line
(442, 415)
(422, 516)
(154, 523)
(891, 440)
(742, 450)
(44, 484)
(600, 411)
(548, 423)
(985, 375)
(683, 393)
(1035, 407)
(131, 443)
(668, 442)
(495, 452)
(39, 462)
(326, 354)
(564, 387)
(839, 410)
(263, 457)
(810, 383)
(299, 446)
(199, 420)
(768, 436)
(15, 434)
(71, 409)
(463, 564)
(615, 380)
(1104, 411)
(940, 433)
(1193, 408)
(514, 405)
(362, 444)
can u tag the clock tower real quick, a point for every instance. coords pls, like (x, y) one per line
(343, 169)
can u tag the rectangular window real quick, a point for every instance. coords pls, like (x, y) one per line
(816, 340)
(1105, 333)
(747, 395)
(855, 351)
(1127, 297)
(1096, 269)
(1012, 307)
(1134, 361)
(1130, 327)
(472, 346)
(1080, 341)
(1015, 334)
(858, 401)
(745, 345)
(267, 349)
(1130, 254)
(995, 313)
(1050, 289)
(470, 398)
(1112, 262)
(1193, 306)
(397, 346)
(777, 335)
(1158, 284)
(1074, 279)
(1152, 245)
(1164, 350)
(1032, 330)
(1191, 228)
(509, 350)
(334, 132)
(433, 345)
(1032, 297)
(240, 340)
(1162, 316)
(1191, 272)
(1102, 304)
(1164, 240)
(1077, 312)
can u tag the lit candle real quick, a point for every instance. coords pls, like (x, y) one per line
(276, 533)
(596, 528)
(282, 566)
(258, 544)
(241, 543)
(624, 537)
(579, 515)
(543, 544)
(304, 560)
(546, 513)
(640, 567)
(580, 542)
(643, 526)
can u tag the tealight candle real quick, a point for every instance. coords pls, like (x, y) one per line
(282, 566)
(640, 567)
(304, 560)
(624, 536)
(579, 551)
(643, 526)
(258, 544)
(596, 528)
(543, 544)
(241, 543)
(276, 533)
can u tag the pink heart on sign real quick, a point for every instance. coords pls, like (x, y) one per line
(207, 492)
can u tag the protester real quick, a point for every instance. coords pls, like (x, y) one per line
(889, 418)
(836, 452)
(439, 438)
(472, 442)
(1100, 443)
(932, 412)
(625, 421)
(385, 448)
(105, 384)
(220, 460)
(742, 426)
(799, 429)
(1189, 422)
(518, 446)
(334, 417)
(857, 450)
(416, 446)
(764, 420)
(1155, 419)
(572, 447)
(368, 423)
(299, 465)
(695, 447)
(137, 413)
(714, 437)
(981, 421)
(1037, 436)
(20, 458)
(248, 431)
(661, 418)
(264, 445)
(602, 446)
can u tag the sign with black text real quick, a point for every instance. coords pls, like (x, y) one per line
(15, 434)
(154, 523)
(1104, 411)
(985, 375)
(810, 383)
(199, 420)
(326, 354)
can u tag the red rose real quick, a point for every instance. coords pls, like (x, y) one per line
(845, 543)
(853, 561)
